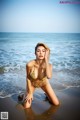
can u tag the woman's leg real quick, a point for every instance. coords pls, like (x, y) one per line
(27, 103)
(51, 95)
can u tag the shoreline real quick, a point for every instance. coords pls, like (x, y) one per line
(68, 109)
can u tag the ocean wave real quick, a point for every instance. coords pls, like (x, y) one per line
(12, 69)
(60, 86)
(37, 93)
(2, 70)
(8, 90)
(6, 96)
(74, 71)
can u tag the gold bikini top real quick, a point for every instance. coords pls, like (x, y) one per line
(34, 75)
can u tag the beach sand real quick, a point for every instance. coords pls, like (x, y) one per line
(69, 108)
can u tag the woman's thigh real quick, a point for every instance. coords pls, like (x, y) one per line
(51, 94)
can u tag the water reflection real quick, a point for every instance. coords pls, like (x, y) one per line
(46, 115)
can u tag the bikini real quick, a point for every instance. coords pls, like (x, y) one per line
(37, 83)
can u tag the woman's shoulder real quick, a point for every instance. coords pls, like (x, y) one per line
(30, 63)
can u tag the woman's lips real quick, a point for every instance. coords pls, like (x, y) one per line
(40, 56)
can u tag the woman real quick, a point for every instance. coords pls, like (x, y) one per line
(38, 73)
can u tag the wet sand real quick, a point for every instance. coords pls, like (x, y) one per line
(69, 108)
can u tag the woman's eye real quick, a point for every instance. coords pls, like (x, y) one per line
(44, 51)
(38, 51)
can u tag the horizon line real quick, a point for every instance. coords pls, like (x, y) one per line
(41, 32)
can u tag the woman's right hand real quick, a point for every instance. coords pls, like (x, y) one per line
(47, 55)
(28, 97)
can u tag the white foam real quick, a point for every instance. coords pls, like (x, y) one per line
(6, 96)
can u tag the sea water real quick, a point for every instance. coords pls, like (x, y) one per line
(17, 49)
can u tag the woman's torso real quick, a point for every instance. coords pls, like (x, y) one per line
(37, 72)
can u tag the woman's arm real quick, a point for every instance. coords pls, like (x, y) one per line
(29, 89)
(48, 66)
(28, 86)
(28, 82)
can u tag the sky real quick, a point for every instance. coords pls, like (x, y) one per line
(49, 16)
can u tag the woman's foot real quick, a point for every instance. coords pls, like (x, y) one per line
(20, 97)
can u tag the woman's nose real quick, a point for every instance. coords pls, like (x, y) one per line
(40, 52)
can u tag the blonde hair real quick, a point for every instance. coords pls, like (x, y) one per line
(42, 44)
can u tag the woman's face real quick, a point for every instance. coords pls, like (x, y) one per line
(40, 53)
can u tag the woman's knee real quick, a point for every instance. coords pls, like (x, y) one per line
(27, 104)
(57, 103)
(51, 95)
